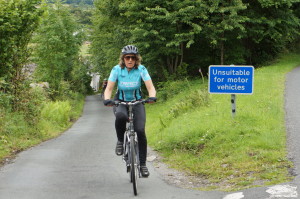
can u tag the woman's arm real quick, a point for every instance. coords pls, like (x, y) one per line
(150, 88)
(109, 88)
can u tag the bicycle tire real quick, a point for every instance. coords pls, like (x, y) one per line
(134, 169)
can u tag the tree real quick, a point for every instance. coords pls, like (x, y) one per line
(57, 45)
(18, 21)
(163, 29)
(208, 31)
(224, 21)
(272, 26)
(108, 36)
(83, 14)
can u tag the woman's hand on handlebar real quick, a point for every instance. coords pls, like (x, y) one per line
(151, 100)
(109, 102)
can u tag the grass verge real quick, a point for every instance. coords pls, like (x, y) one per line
(195, 133)
(16, 134)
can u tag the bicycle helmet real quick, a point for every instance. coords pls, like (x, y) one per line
(130, 49)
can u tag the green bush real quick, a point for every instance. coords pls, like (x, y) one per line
(29, 101)
(5, 96)
(5, 100)
(57, 113)
(195, 99)
(14, 124)
(188, 94)
(35, 99)
(170, 89)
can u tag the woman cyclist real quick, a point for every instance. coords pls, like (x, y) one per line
(128, 75)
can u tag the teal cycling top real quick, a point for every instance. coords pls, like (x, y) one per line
(129, 82)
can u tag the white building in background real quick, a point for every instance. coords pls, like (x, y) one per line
(95, 83)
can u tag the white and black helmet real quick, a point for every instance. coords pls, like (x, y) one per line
(130, 49)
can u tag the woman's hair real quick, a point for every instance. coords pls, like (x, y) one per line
(138, 60)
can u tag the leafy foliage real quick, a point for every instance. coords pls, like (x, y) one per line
(224, 25)
(18, 20)
(168, 26)
(107, 39)
(193, 34)
(273, 26)
(27, 116)
(58, 42)
(82, 14)
(76, 2)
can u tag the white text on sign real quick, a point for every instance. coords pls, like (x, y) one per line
(231, 79)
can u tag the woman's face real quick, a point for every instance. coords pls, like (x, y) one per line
(129, 60)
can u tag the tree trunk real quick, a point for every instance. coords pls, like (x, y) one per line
(170, 65)
(181, 60)
(174, 62)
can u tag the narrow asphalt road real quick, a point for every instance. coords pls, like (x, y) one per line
(81, 164)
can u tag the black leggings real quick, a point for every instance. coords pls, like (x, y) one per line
(139, 122)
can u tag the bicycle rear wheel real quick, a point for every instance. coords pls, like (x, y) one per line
(134, 166)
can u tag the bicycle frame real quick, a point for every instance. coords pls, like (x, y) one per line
(130, 147)
(130, 132)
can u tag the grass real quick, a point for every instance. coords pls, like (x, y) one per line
(203, 139)
(16, 134)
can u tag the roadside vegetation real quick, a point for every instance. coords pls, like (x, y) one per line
(43, 79)
(50, 119)
(176, 38)
(195, 132)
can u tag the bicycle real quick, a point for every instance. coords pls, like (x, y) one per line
(130, 146)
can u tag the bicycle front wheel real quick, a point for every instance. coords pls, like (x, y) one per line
(134, 166)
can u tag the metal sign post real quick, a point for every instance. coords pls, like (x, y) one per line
(233, 105)
(224, 79)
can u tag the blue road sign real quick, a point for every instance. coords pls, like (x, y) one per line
(231, 79)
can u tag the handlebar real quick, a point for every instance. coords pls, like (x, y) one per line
(132, 103)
